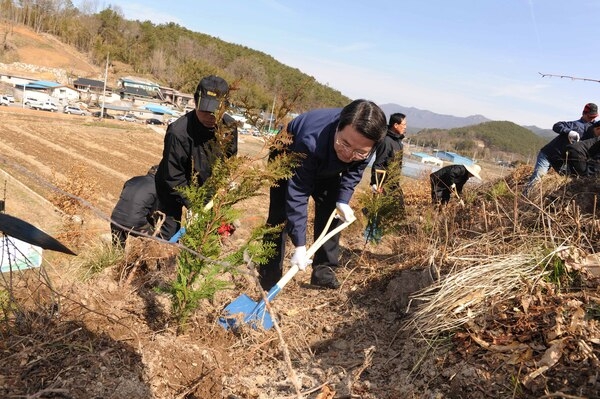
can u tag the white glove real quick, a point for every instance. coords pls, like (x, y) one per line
(299, 258)
(573, 136)
(374, 188)
(453, 186)
(345, 212)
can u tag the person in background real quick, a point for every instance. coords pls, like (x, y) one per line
(336, 144)
(450, 180)
(187, 155)
(583, 156)
(389, 148)
(134, 211)
(553, 153)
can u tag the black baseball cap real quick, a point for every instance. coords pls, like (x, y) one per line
(591, 109)
(211, 91)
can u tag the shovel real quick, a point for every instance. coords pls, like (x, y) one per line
(245, 310)
(21, 230)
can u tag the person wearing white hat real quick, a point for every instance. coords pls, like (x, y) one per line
(451, 179)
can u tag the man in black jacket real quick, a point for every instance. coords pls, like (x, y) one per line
(188, 152)
(389, 148)
(552, 155)
(134, 211)
(582, 156)
(451, 179)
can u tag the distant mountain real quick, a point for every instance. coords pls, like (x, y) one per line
(422, 119)
(419, 119)
(545, 133)
(492, 137)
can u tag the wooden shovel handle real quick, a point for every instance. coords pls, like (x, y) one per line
(379, 178)
(316, 245)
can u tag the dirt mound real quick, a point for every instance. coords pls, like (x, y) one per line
(26, 49)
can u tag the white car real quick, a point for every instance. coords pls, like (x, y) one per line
(4, 101)
(128, 118)
(9, 97)
(71, 109)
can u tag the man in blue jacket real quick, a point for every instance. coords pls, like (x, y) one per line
(188, 150)
(336, 145)
(553, 153)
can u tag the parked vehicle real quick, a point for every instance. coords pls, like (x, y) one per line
(128, 118)
(4, 101)
(154, 121)
(71, 109)
(106, 115)
(30, 100)
(43, 105)
(9, 97)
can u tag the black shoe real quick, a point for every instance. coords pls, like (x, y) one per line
(324, 276)
(332, 283)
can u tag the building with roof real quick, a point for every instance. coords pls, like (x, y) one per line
(427, 158)
(89, 85)
(454, 158)
(43, 89)
(130, 86)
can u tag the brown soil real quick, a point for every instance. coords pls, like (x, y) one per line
(89, 332)
(27, 47)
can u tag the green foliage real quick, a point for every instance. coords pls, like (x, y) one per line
(559, 274)
(7, 305)
(97, 258)
(385, 211)
(212, 205)
(177, 57)
(499, 190)
(495, 136)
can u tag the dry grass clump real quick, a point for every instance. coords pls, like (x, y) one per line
(469, 291)
(500, 245)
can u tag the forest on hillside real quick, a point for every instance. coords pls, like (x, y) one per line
(170, 54)
(484, 139)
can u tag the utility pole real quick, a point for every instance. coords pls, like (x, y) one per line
(104, 88)
(271, 117)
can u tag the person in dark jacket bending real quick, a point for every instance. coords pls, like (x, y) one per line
(552, 155)
(389, 148)
(450, 180)
(134, 211)
(337, 144)
(187, 153)
(583, 156)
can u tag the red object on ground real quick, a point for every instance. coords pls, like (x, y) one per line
(226, 229)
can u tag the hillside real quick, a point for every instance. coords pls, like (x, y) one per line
(42, 56)
(168, 54)
(486, 140)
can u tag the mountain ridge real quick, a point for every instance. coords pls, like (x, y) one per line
(419, 119)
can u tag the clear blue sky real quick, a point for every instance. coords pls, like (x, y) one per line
(460, 57)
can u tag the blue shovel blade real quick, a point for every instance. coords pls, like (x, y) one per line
(243, 309)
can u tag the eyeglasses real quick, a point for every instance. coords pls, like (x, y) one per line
(348, 150)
